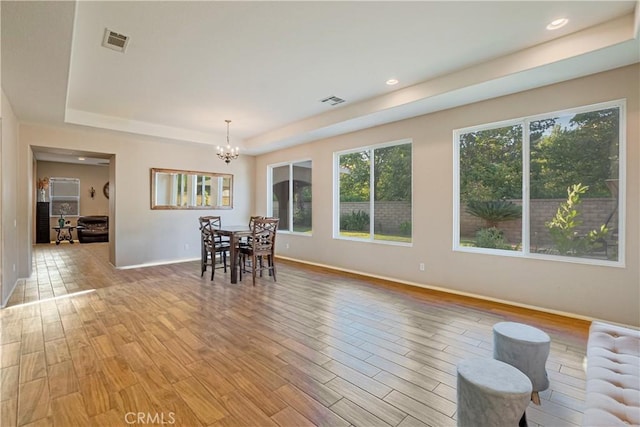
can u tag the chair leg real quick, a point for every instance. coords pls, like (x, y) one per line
(272, 264)
(204, 257)
(213, 264)
(254, 265)
(224, 260)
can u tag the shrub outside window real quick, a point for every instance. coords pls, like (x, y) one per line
(291, 179)
(548, 186)
(374, 193)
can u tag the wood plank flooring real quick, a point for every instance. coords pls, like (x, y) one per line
(160, 345)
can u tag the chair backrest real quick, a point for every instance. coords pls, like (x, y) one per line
(253, 219)
(208, 225)
(210, 222)
(263, 235)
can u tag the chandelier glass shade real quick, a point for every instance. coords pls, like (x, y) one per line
(227, 153)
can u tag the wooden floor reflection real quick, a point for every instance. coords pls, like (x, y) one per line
(161, 345)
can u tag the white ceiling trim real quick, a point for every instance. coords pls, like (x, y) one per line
(143, 128)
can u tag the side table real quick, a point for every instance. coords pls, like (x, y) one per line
(65, 233)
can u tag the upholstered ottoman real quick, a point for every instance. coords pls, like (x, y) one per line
(491, 393)
(526, 348)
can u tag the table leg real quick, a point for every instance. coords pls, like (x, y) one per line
(234, 258)
(58, 239)
(71, 235)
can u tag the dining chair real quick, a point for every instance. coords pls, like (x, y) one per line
(261, 246)
(212, 244)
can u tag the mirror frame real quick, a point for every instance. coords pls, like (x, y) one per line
(156, 206)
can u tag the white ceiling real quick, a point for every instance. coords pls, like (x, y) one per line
(266, 65)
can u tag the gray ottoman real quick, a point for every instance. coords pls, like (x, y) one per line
(491, 393)
(526, 348)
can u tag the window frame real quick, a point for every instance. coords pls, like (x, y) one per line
(525, 122)
(290, 164)
(53, 199)
(336, 194)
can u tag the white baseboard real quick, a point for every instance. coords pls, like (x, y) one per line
(5, 301)
(154, 264)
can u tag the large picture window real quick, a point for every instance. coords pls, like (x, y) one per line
(373, 193)
(290, 196)
(545, 186)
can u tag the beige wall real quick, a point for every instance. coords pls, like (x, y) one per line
(89, 176)
(9, 267)
(139, 235)
(610, 293)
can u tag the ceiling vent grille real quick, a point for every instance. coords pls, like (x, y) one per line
(115, 41)
(333, 100)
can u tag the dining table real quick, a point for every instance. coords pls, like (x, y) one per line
(234, 233)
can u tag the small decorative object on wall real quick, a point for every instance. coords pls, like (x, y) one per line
(43, 186)
(105, 190)
(92, 192)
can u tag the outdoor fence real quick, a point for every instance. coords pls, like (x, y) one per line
(593, 213)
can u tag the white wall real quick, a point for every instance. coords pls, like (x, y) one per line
(609, 293)
(139, 235)
(9, 206)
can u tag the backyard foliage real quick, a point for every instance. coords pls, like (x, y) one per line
(494, 211)
(355, 221)
(564, 150)
(491, 238)
(563, 226)
(391, 169)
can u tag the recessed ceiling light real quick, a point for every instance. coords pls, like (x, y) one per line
(81, 158)
(557, 23)
(392, 82)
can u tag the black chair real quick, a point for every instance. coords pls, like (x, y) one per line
(212, 244)
(261, 247)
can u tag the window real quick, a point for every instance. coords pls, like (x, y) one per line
(64, 194)
(285, 181)
(545, 186)
(374, 190)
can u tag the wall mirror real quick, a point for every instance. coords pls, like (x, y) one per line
(179, 189)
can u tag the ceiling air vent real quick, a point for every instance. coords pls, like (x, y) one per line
(115, 41)
(333, 100)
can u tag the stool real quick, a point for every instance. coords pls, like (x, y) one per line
(491, 393)
(526, 348)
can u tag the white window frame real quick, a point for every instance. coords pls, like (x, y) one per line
(336, 194)
(290, 164)
(53, 199)
(525, 245)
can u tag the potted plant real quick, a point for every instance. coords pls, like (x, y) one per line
(64, 209)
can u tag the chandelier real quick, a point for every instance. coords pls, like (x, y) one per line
(227, 154)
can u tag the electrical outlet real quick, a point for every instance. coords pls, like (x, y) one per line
(186, 246)
(286, 246)
(421, 266)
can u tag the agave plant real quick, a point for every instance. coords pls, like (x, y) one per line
(494, 211)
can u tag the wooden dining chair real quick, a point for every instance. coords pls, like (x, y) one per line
(212, 245)
(261, 248)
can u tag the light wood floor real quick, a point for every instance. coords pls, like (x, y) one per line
(315, 348)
